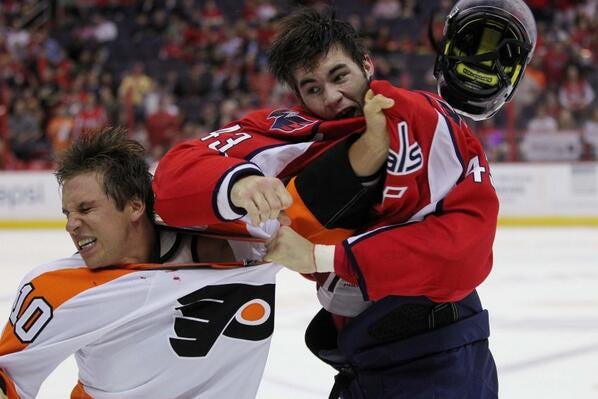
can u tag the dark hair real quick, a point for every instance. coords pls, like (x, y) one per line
(305, 36)
(118, 159)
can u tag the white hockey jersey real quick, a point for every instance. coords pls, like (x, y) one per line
(142, 332)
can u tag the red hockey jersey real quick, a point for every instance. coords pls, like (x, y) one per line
(433, 229)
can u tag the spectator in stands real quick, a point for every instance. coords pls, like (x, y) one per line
(196, 82)
(104, 30)
(211, 15)
(529, 91)
(209, 116)
(386, 43)
(261, 82)
(110, 104)
(25, 133)
(47, 91)
(229, 111)
(91, 117)
(17, 39)
(54, 64)
(173, 47)
(139, 133)
(3, 163)
(76, 95)
(590, 132)
(231, 46)
(60, 129)
(32, 103)
(232, 79)
(159, 22)
(64, 70)
(551, 99)
(386, 9)
(542, 121)
(556, 59)
(566, 122)
(576, 93)
(192, 130)
(164, 124)
(494, 140)
(541, 9)
(152, 98)
(581, 32)
(266, 10)
(410, 9)
(134, 87)
(3, 153)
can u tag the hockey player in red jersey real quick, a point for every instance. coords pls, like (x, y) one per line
(401, 317)
(148, 311)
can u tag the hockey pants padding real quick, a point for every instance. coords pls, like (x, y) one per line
(409, 348)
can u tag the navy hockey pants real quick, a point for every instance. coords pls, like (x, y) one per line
(409, 348)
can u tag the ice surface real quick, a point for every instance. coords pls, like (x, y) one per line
(542, 296)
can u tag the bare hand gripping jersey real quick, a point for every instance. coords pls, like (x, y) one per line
(141, 332)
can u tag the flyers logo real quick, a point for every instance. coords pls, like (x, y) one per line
(237, 311)
(288, 121)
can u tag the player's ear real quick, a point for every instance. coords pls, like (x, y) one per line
(368, 67)
(136, 208)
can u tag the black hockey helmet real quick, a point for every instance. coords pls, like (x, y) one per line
(485, 48)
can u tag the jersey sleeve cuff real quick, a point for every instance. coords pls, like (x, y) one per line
(368, 181)
(324, 258)
(224, 206)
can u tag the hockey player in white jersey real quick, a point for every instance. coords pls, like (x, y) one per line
(148, 311)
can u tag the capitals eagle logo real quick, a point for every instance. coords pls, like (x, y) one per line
(288, 121)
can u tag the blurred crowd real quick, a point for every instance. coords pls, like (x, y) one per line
(171, 70)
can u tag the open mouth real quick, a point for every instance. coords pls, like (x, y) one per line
(346, 113)
(85, 243)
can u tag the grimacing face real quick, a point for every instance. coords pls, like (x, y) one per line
(101, 233)
(336, 87)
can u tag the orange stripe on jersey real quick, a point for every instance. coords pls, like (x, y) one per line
(192, 265)
(78, 392)
(54, 288)
(7, 388)
(305, 223)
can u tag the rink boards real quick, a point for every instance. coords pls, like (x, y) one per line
(531, 194)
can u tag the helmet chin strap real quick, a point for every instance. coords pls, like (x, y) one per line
(492, 55)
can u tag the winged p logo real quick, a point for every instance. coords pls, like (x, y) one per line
(237, 311)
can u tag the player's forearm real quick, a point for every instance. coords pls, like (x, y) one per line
(370, 151)
(191, 185)
(443, 257)
(367, 155)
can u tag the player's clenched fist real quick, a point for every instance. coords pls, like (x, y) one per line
(262, 197)
(370, 152)
(374, 117)
(289, 249)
